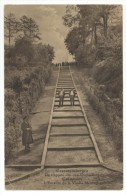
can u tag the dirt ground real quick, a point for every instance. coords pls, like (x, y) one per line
(71, 179)
(98, 178)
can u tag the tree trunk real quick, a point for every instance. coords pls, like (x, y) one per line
(9, 34)
(92, 37)
(9, 39)
(105, 23)
(95, 34)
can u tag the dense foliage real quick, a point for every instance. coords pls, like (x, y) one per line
(95, 41)
(27, 70)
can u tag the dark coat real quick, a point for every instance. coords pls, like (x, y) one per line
(26, 134)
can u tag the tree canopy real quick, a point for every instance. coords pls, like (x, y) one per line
(91, 25)
(23, 40)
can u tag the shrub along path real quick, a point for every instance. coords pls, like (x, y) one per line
(39, 118)
(102, 135)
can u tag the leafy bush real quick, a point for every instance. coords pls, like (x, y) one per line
(109, 74)
(24, 89)
(109, 116)
(10, 141)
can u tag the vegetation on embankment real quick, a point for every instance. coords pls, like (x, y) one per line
(27, 70)
(107, 110)
(97, 49)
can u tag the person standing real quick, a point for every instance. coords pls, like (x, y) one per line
(61, 97)
(72, 96)
(27, 138)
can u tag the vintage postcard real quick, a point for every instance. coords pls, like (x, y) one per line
(63, 90)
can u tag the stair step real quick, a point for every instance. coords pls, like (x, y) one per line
(68, 134)
(71, 157)
(69, 130)
(65, 87)
(67, 109)
(69, 121)
(68, 125)
(67, 117)
(74, 165)
(68, 114)
(67, 98)
(70, 148)
(57, 100)
(76, 103)
(63, 142)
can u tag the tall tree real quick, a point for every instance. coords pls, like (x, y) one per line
(71, 17)
(29, 28)
(74, 38)
(84, 17)
(10, 27)
(104, 13)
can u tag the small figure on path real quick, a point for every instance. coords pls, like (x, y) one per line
(27, 138)
(72, 96)
(61, 97)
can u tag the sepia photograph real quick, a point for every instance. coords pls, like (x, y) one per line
(63, 97)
